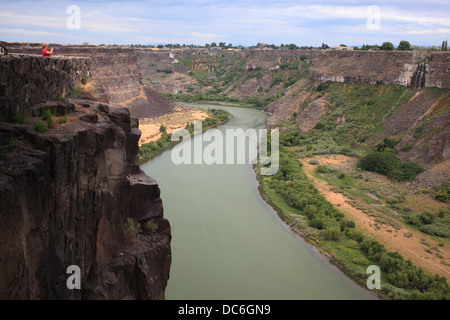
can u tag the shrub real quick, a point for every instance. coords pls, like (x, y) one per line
(18, 117)
(413, 219)
(443, 192)
(354, 235)
(84, 79)
(131, 229)
(408, 147)
(387, 143)
(151, 226)
(47, 116)
(332, 233)
(373, 248)
(436, 229)
(322, 169)
(322, 86)
(41, 127)
(405, 171)
(379, 162)
(427, 217)
(77, 90)
(314, 162)
(62, 119)
(319, 125)
(387, 163)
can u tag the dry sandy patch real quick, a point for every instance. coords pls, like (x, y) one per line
(411, 247)
(174, 121)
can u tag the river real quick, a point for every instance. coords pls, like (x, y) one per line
(227, 243)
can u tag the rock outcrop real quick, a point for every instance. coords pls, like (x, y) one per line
(311, 114)
(115, 73)
(27, 80)
(67, 197)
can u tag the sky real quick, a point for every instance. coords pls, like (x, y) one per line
(304, 23)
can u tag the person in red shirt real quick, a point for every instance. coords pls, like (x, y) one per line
(45, 51)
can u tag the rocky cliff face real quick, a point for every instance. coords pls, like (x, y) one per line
(28, 80)
(115, 73)
(398, 68)
(66, 197)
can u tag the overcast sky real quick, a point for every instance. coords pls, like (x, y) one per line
(305, 23)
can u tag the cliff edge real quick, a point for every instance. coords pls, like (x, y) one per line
(74, 195)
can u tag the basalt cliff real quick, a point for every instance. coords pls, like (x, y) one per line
(115, 75)
(71, 191)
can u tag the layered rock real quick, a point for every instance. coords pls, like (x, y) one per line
(27, 80)
(115, 73)
(397, 68)
(66, 198)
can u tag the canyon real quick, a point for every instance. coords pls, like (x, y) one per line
(68, 195)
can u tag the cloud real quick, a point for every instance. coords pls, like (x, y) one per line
(29, 32)
(240, 22)
(205, 35)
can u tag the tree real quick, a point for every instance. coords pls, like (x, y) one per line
(404, 46)
(387, 46)
(213, 44)
(324, 46)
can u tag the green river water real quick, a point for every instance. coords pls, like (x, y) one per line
(227, 243)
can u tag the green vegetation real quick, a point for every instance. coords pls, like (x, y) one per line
(62, 99)
(41, 127)
(62, 119)
(48, 117)
(84, 79)
(19, 117)
(404, 46)
(299, 203)
(152, 149)
(387, 46)
(4, 150)
(151, 226)
(131, 228)
(77, 90)
(443, 192)
(436, 229)
(221, 99)
(387, 163)
(356, 114)
(164, 71)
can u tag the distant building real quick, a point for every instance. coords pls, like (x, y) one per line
(341, 48)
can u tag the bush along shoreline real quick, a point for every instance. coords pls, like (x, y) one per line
(152, 149)
(307, 212)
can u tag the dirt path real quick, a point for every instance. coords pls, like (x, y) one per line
(410, 243)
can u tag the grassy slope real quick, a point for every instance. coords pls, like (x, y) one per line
(364, 108)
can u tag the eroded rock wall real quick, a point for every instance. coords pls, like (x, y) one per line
(114, 72)
(396, 68)
(65, 199)
(26, 80)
